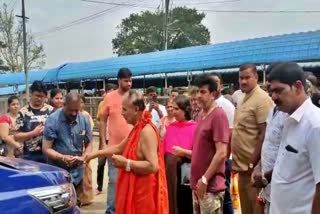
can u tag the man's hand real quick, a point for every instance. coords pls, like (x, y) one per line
(38, 130)
(119, 161)
(69, 160)
(256, 179)
(79, 160)
(201, 189)
(178, 151)
(154, 105)
(89, 156)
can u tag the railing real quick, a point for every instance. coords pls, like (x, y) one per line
(91, 104)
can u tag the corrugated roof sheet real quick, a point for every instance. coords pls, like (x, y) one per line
(12, 90)
(300, 47)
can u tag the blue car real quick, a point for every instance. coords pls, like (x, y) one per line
(28, 187)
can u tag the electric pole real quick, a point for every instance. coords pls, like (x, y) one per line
(25, 55)
(166, 17)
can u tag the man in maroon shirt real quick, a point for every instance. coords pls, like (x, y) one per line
(209, 151)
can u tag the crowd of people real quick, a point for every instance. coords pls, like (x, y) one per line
(177, 158)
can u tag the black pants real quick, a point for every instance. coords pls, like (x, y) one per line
(227, 204)
(100, 171)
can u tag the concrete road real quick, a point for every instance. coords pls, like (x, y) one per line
(99, 203)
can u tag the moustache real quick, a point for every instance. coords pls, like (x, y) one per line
(277, 102)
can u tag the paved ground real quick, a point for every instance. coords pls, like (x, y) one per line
(99, 202)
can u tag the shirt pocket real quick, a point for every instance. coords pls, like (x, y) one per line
(290, 163)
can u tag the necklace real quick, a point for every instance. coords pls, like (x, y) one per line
(210, 110)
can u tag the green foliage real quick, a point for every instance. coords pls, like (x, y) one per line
(144, 32)
(11, 35)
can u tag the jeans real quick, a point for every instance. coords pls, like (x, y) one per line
(100, 173)
(227, 203)
(112, 174)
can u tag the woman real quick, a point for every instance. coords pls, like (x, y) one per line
(86, 196)
(177, 145)
(7, 127)
(167, 120)
(195, 109)
(56, 98)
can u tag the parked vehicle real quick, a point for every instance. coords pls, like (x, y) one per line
(28, 187)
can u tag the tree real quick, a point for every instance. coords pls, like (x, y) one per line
(144, 32)
(11, 35)
(2, 66)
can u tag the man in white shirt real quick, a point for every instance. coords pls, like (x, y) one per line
(229, 109)
(296, 176)
(157, 110)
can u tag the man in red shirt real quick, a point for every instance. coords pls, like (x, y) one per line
(210, 145)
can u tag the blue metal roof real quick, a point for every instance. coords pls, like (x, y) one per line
(299, 47)
(19, 78)
(12, 90)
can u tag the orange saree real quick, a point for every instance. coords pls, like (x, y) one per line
(141, 194)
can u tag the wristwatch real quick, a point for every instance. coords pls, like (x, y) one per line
(128, 168)
(204, 180)
(251, 166)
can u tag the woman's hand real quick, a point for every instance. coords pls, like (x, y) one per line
(178, 151)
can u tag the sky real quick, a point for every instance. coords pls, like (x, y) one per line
(92, 40)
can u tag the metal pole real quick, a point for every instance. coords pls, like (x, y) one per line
(165, 81)
(264, 74)
(166, 16)
(25, 56)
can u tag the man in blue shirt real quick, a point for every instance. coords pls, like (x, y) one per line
(67, 132)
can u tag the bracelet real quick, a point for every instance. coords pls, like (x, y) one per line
(128, 168)
(63, 158)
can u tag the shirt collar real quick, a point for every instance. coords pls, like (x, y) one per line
(248, 95)
(64, 119)
(297, 114)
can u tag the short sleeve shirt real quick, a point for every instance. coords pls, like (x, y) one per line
(297, 168)
(156, 120)
(68, 138)
(28, 119)
(228, 108)
(212, 129)
(252, 112)
(112, 107)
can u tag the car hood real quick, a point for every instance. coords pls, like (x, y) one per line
(19, 174)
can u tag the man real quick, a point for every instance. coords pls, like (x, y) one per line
(157, 110)
(102, 161)
(237, 97)
(174, 93)
(248, 134)
(141, 184)
(30, 123)
(66, 132)
(210, 145)
(118, 128)
(229, 109)
(296, 175)
(261, 175)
